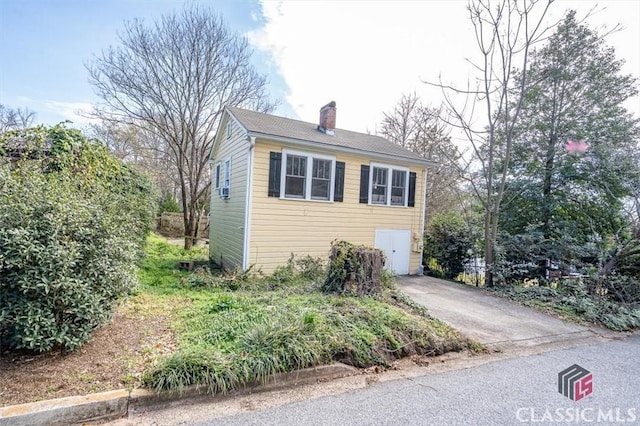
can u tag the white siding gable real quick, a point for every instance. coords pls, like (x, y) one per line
(228, 197)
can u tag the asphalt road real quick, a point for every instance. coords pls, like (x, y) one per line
(507, 392)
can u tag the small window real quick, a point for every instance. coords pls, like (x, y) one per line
(223, 178)
(295, 185)
(227, 173)
(229, 130)
(217, 175)
(389, 185)
(398, 187)
(321, 179)
(379, 186)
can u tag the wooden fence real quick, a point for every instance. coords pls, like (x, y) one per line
(172, 225)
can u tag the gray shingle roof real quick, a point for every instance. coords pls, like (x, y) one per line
(271, 125)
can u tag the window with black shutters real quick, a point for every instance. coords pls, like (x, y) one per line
(305, 176)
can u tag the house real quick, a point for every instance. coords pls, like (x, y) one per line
(282, 186)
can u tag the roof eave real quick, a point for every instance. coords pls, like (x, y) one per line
(348, 150)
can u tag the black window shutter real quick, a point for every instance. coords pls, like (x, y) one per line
(364, 184)
(412, 189)
(338, 189)
(275, 167)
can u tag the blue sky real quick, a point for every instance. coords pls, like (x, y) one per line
(362, 54)
(46, 44)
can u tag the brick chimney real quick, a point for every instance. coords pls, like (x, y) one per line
(328, 119)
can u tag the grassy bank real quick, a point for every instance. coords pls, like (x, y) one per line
(236, 329)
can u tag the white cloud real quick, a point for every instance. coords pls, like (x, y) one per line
(77, 112)
(364, 55)
(52, 112)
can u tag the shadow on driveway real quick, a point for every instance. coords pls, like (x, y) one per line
(489, 319)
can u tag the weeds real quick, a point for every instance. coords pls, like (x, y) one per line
(260, 336)
(571, 299)
(238, 328)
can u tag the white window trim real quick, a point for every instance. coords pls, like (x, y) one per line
(221, 182)
(390, 168)
(229, 130)
(310, 157)
(217, 173)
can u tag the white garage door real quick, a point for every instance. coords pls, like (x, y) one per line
(396, 244)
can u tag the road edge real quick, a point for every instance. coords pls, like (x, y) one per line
(112, 405)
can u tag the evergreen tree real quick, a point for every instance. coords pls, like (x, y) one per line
(575, 156)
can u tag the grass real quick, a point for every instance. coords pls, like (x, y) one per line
(237, 329)
(159, 270)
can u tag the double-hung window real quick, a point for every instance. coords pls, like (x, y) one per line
(296, 176)
(321, 179)
(379, 187)
(307, 176)
(389, 185)
(398, 187)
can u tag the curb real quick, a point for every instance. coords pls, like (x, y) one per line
(119, 403)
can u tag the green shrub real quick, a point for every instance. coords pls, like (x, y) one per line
(308, 267)
(168, 204)
(298, 272)
(447, 240)
(434, 269)
(73, 222)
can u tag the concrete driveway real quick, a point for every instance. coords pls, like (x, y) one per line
(492, 320)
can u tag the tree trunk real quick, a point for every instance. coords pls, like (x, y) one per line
(546, 188)
(196, 231)
(488, 249)
(189, 228)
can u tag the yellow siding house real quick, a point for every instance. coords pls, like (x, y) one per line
(283, 186)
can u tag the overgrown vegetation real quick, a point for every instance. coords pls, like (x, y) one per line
(354, 270)
(580, 300)
(447, 245)
(73, 222)
(239, 328)
(567, 236)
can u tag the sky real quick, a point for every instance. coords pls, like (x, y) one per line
(361, 54)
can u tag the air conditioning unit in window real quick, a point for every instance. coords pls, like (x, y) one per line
(223, 192)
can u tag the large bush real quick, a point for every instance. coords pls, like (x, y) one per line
(448, 241)
(72, 223)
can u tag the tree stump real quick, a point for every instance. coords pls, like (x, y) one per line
(354, 270)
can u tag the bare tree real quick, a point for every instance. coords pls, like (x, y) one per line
(399, 126)
(420, 129)
(505, 31)
(122, 141)
(173, 78)
(15, 118)
(143, 150)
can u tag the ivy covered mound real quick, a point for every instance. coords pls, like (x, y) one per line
(73, 222)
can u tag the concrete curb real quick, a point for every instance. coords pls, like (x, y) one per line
(119, 403)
